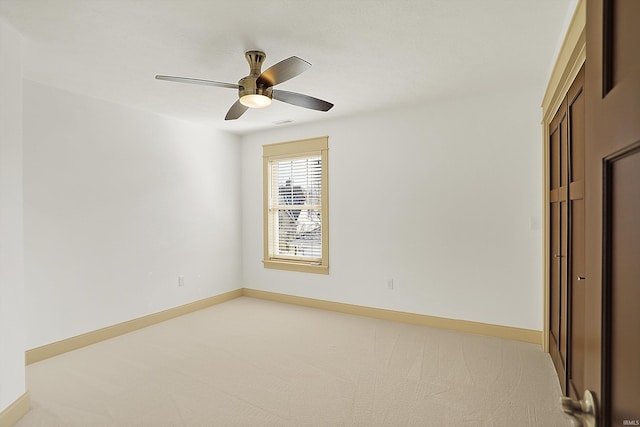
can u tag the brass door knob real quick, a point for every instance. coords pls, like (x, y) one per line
(582, 411)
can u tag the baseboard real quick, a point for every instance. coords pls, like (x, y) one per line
(54, 349)
(12, 414)
(507, 332)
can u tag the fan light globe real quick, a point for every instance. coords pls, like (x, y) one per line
(255, 101)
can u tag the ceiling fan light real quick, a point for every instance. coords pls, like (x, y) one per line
(255, 101)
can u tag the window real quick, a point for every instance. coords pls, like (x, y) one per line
(296, 236)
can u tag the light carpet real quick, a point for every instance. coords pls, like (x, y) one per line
(249, 362)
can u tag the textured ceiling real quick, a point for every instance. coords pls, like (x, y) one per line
(366, 54)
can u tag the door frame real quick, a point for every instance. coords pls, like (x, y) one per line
(570, 59)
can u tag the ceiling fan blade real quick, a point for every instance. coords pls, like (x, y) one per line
(282, 71)
(197, 81)
(301, 100)
(236, 111)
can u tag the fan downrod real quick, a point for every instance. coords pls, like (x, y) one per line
(255, 58)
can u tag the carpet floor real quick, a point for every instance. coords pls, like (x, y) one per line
(249, 362)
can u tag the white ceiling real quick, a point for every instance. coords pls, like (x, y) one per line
(366, 54)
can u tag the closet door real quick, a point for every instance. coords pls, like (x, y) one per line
(576, 249)
(558, 241)
(567, 243)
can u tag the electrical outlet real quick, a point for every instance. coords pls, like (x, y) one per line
(180, 280)
(390, 284)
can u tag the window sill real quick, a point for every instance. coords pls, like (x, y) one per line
(296, 266)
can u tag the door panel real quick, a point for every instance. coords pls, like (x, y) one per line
(555, 276)
(576, 366)
(622, 285)
(564, 221)
(625, 58)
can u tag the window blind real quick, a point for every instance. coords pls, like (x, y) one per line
(295, 208)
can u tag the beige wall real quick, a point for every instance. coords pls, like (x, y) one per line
(12, 329)
(444, 199)
(119, 203)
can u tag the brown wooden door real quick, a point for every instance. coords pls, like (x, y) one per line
(558, 240)
(566, 207)
(576, 276)
(612, 210)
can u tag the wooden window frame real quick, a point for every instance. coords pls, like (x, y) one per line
(306, 147)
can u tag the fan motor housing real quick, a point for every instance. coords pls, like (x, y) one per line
(248, 86)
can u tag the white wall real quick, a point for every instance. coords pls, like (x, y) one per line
(12, 326)
(438, 198)
(118, 203)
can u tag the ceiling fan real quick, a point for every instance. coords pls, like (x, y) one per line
(256, 90)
